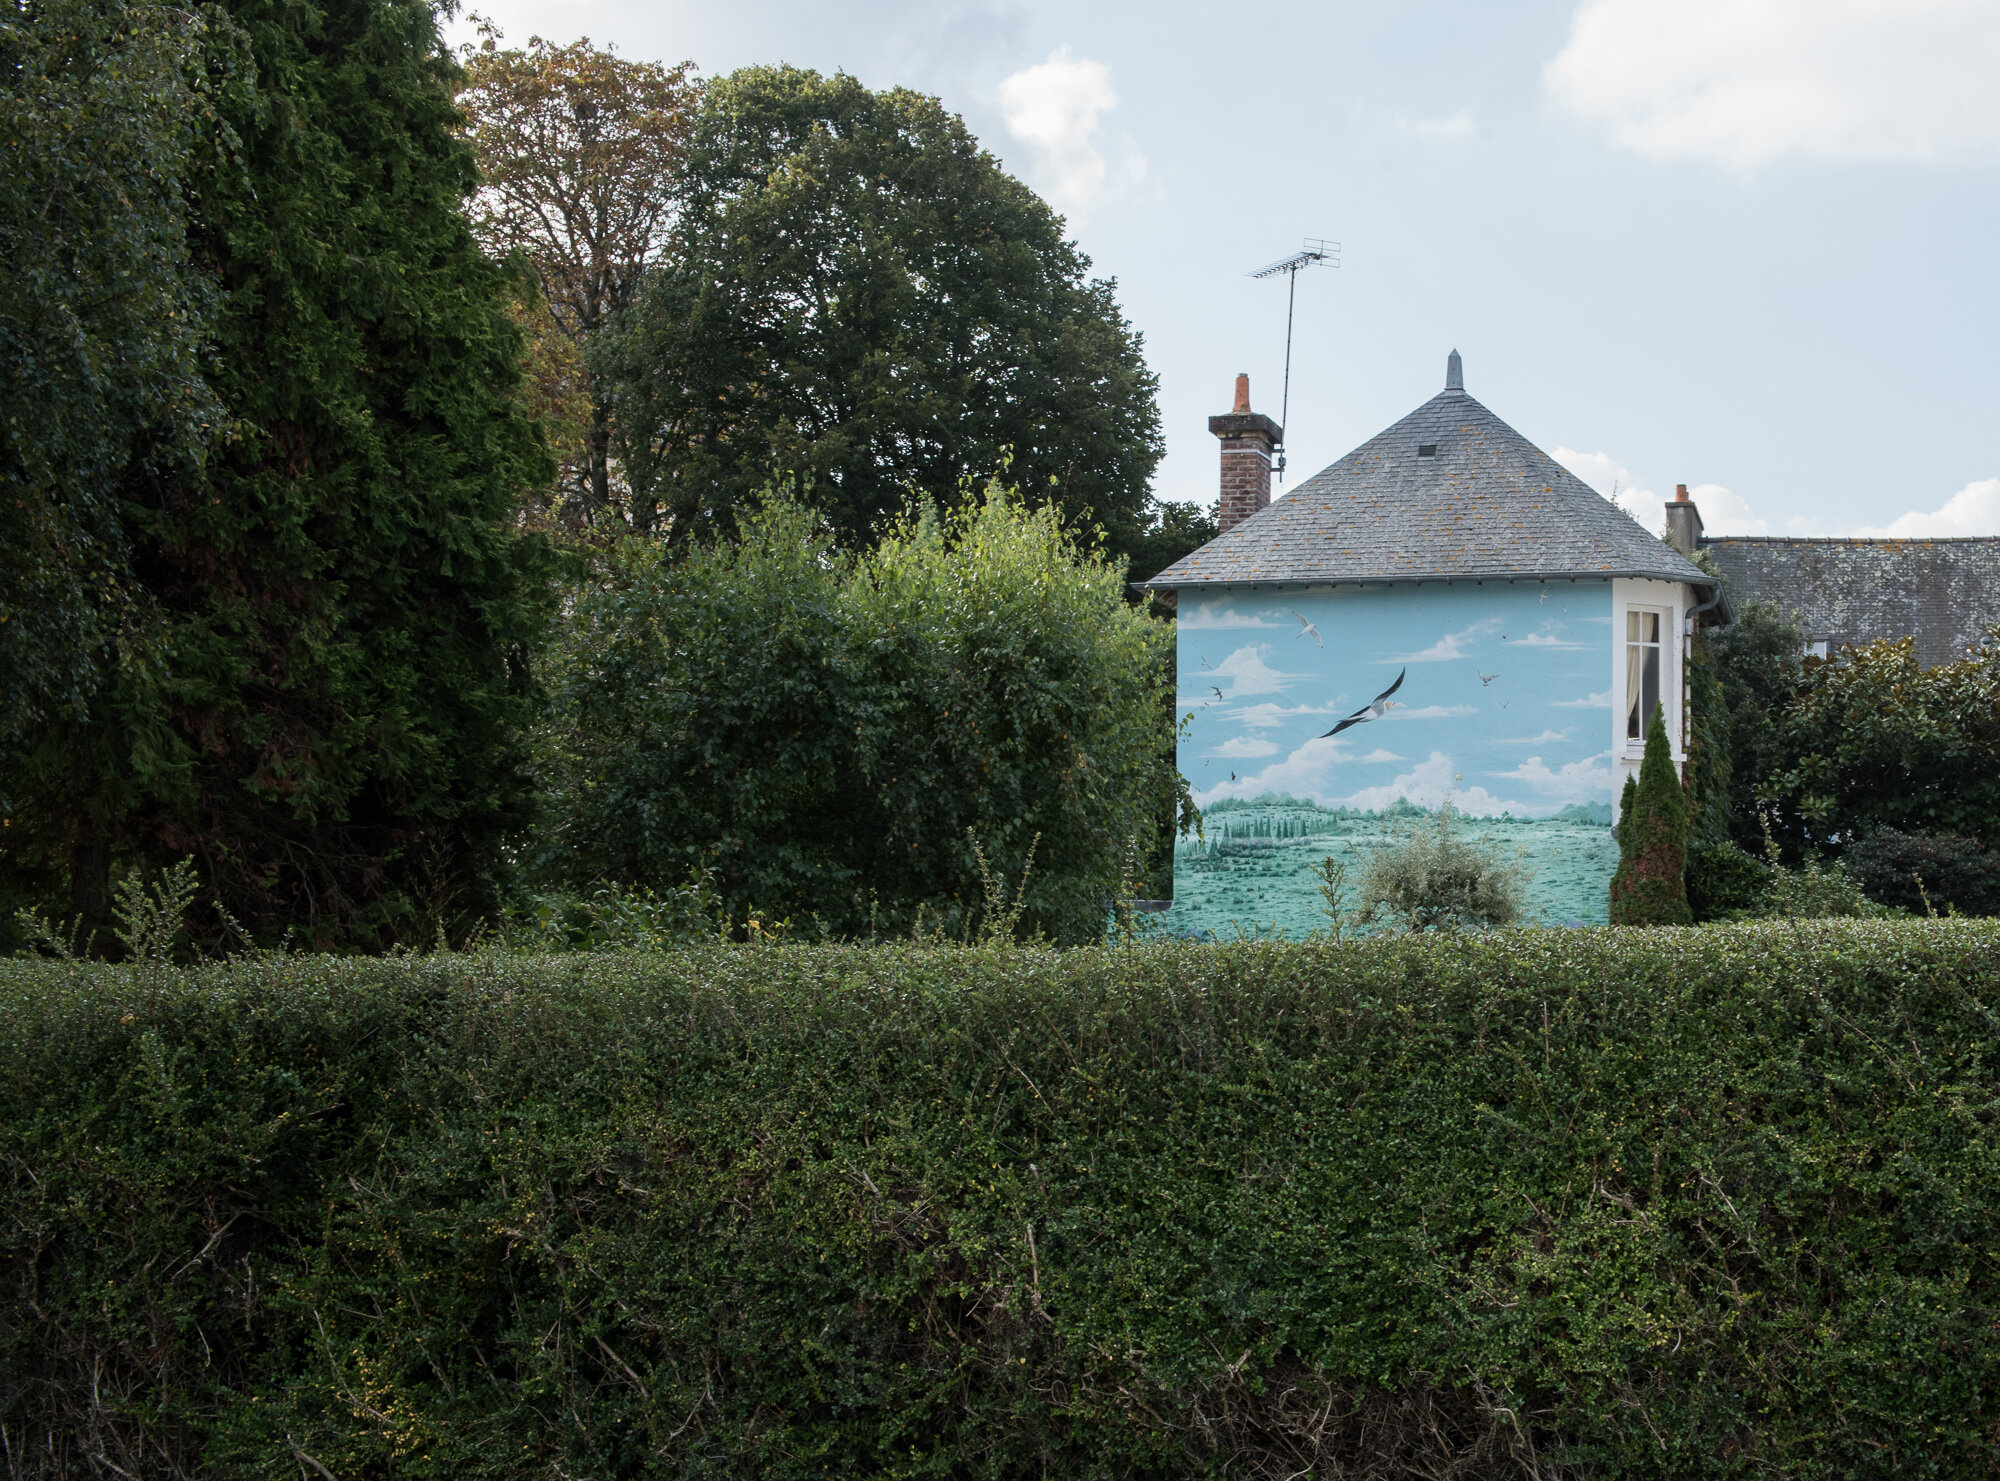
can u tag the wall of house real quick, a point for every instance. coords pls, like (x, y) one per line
(1505, 705)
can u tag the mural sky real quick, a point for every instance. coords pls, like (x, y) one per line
(1504, 701)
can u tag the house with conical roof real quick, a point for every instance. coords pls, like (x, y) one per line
(1445, 615)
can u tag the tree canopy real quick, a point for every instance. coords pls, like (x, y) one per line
(577, 150)
(337, 614)
(104, 107)
(857, 303)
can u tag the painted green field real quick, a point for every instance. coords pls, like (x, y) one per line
(1254, 869)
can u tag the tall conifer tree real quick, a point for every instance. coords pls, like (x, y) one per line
(1650, 887)
(339, 610)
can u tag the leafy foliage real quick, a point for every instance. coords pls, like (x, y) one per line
(1436, 879)
(1446, 1204)
(1650, 885)
(337, 612)
(857, 302)
(1925, 872)
(1744, 679)
(577, 151)
(1878, 741)
(106, 107)
(836, 738)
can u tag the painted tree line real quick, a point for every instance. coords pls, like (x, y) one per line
(340, 374)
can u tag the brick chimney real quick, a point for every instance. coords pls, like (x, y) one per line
(1247, 440)
(1683, 523)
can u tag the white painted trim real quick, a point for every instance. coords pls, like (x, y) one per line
(1671, 599)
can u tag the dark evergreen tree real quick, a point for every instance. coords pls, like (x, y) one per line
(102, 315)
(859, 302)
(338, 612)
(1650, 887)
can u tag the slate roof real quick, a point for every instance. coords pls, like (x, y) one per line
(1488, 504)
(1944, 593)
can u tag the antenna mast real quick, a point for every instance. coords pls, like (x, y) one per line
(1316, 250)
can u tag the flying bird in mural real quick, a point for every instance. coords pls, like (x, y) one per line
(1485, 679)
(1216, 692)
(1306, 627)
(1375, 709)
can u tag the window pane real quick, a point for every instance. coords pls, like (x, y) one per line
(1651, 626)
(1635, 667)
(1650, 685)
(1631, 627)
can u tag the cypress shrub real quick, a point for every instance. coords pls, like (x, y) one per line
(1650, 885)
(1512, 1203)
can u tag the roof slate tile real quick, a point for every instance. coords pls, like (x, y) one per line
(1489, 503)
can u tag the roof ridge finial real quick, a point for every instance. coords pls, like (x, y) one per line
(1454, 373)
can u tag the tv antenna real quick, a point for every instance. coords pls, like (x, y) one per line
(1315, 250)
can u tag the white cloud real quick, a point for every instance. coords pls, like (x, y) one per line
(1545, 636)
(1588, 780)
(1303, 773)
(1535, 740)
(1203, 616)
(1266, 715)
(1431, 712)
(1453, 128)
(1427, 784)
(1594, 702)
(1451, 645)
(1246, 746)
(1973, 510)
(1378, 754)
(1247, 672)
(1723, 512)
(1742, 82)
(1054, 109)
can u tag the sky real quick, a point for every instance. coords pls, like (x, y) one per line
(1744, 245)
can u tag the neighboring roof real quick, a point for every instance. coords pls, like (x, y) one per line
(1943, 593)
(1488, 504)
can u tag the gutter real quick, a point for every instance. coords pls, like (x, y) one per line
(1694, 613)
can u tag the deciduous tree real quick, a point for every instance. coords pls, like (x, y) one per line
(858, 302)
(578, 152)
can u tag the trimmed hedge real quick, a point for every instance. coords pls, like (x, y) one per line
(1662, 1202)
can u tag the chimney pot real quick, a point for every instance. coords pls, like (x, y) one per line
(1680, 493)
(1242, 395)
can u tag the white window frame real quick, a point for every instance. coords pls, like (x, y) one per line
(1667, 651)
(1670, 600)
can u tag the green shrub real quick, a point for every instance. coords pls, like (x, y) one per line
(1604, 1204)
(1436, 879)
(1924, 872)
(1650, 885)
(833, 739)
(1819, 889)
(1724, 882)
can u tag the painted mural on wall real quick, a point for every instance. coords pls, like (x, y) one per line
(1321, 723)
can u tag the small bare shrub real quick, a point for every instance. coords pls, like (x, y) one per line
(1436, 879)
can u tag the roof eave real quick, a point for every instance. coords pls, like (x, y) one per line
(1161, 583)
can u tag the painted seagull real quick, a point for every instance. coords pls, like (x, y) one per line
(1485, 679)
(1306, 627)
(1215, 691)
(1373, 710)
